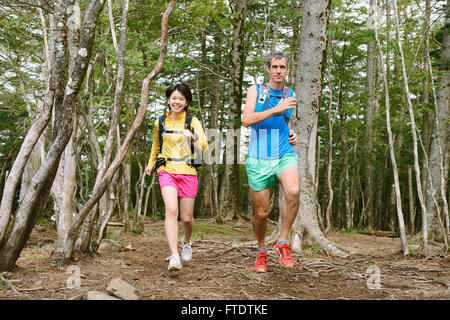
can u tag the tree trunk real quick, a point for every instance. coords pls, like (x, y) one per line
(204, 94)
(150, 189)
(225, 202)
(401, 222)
(296, 8)
(348, 215)
(440, 145)
(69, 184)
(236, 76)
(275, 35)
(68, 162)
(214, 150)
(69, 246)
(126, 179)
(380, 181)
(38, 126)
(369, 126)
(426, 98)
(313, 40)
(139, 192)
(84, 240)
(330, 152)
(413, 125)
(66, 95)
(356, 182)
(412, 212)
(103, 222)
(339, 220)
(106, 160)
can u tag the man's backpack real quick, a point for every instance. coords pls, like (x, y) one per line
(193, 160)
(264, 96)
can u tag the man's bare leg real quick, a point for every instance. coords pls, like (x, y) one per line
(261, 206)
(290, 181)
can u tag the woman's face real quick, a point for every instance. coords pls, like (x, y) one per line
(177, 102)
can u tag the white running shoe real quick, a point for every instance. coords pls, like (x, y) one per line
(186, 252)
(174, 263)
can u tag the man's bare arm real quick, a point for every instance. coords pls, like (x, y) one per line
(250, 117)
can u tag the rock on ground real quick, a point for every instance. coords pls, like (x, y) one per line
(122, 289)
(109, 245)
(96, 295)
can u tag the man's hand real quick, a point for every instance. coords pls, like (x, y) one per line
(284, 105)
(148, 170)
(292, 137)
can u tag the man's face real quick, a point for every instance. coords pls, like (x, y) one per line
(278, 70)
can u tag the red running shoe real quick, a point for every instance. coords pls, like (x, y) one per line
(284, 252)
(260, 264)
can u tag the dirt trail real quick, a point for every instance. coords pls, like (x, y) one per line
(221, 271)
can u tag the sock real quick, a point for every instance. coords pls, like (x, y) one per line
(282, 241)
(262, 251)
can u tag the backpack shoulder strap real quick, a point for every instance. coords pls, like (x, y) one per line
(188, 121)
(265, 87)
(188, 125)
(161, 130)
(264, 94)
(286, 92)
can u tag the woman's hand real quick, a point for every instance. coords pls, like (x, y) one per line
(148, 170)
(188, 134)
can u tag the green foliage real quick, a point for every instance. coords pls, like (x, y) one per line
(347, 53)
(349, 231)
(3, 284)
(137, 229)
(20, 58)
(200, 37)
(204, 230)
(412, 251)
(111, 236)
(316, 250)
(161, 215)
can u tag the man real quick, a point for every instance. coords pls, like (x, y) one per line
(271, 156)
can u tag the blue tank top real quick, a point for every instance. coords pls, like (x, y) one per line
(269, 139)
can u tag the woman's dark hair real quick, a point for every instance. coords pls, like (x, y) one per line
(184, 89)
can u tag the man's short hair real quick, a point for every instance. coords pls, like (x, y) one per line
(277, 55)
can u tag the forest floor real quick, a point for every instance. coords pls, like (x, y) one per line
(222, 271)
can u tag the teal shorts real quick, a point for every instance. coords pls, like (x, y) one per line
(261, 173)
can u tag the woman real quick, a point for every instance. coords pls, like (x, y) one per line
(177, 178)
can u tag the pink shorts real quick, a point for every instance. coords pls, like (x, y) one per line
(186, 184)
